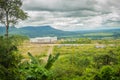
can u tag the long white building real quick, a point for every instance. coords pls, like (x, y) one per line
(43, 40)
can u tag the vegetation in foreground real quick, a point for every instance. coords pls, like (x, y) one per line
(83, 62)
(75, 62)
(87, 62)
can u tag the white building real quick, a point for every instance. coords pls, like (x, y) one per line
(43, 40)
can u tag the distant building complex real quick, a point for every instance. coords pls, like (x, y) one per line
(43, 40)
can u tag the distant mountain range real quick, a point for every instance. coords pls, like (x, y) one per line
(37, 31)
(41, 31)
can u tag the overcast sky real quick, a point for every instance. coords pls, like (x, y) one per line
(72, 14)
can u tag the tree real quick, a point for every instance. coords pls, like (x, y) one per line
(11, 13)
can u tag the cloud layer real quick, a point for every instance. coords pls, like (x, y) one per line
(72, 14)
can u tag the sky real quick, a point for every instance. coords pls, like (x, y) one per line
(72, 14)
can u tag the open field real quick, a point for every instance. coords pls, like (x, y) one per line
(78, 61)
(34, 49)
(44, 50)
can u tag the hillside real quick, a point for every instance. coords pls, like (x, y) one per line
(40, 31)
(36, 31)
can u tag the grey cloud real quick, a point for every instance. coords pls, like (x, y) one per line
(83, 13)
(75, 7)
(58, 5)
(73, 14)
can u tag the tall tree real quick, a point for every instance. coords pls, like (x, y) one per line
(11, 13)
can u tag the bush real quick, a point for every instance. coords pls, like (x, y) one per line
(9, 59)
(106, 73)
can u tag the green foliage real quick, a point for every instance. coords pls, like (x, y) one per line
(75, 62)
(86, 62)
(106, 59)
(18, 39)
(51, 60)
(76, 41)
(11, 13)
(70, 67)
(11, 9)
(9, 59)
(106, 73)
(34, 70)
(33, 59)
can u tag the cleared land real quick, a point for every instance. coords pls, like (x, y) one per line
(34, 49)
(44, 50)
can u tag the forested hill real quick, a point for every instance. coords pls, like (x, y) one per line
(37, 31)
(40, 31)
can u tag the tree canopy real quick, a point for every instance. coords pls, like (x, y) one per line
(11, 13)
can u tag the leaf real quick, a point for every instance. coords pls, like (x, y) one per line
(33, 59)
(51, 60)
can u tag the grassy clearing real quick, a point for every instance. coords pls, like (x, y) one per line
(63, 50)
(34, 49)
(99, 34)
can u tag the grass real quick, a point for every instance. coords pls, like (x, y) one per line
(41, 50)
(34, 49)
(98, 34)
